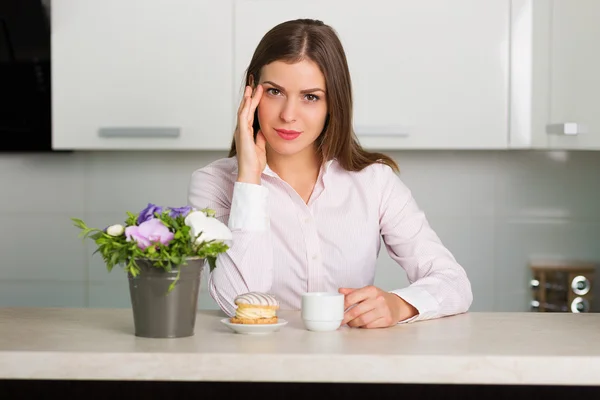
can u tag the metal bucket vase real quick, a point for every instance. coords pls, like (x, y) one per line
(158, 313)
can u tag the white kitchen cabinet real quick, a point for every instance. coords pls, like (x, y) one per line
(556, 84)
(429, 74)
(574, 77)
(138, 74)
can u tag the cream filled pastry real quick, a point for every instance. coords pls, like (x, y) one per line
(255, 308)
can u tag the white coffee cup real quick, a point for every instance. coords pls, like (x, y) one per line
(322, 311)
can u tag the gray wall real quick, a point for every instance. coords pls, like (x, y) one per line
(494, 210)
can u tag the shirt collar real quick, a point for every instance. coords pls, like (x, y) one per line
(268, 171)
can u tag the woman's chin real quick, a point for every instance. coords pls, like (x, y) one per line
(285, 148)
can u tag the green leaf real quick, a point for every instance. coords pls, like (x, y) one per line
(117, 251)
(172, 285)
(114, 258)
(212, 263)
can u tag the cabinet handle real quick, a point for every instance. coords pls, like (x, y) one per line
(400, 131)
(129, 132)
(534, 283)
(567, 128)
(580, 285)
(580, 305)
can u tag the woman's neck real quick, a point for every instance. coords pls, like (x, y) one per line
(297, 168)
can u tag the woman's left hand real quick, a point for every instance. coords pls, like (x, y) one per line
(374, 308)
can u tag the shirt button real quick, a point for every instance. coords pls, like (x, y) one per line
(314, 257)
(306, 220)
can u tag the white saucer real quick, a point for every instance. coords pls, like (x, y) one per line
(254, 329)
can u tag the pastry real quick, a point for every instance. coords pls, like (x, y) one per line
(255, 308)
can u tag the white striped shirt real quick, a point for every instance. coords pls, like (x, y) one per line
(285, 247)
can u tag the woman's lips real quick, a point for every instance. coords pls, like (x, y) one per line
(287, 134)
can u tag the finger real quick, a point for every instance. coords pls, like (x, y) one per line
(366, 319)
(243, 101)
(256, 99)
(378, 323)
(378, 317)
(244, 111)
(239, 113)
(355, 316)
(345, 292)
(261, 141)
(245, 130)
(359, 295)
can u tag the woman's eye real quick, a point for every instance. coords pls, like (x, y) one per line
(273, 91)
(312, 97)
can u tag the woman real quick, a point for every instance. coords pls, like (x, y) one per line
(307, 205)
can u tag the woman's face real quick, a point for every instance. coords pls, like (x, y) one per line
(293, 108)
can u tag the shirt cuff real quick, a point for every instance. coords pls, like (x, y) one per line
(249, 208)
(420, 299)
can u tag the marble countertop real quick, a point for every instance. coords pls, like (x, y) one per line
(472, 348)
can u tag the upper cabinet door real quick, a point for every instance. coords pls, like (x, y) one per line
(138, 74)
(574, 120)
(430, 74)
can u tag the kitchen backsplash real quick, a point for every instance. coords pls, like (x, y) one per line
(494, 209)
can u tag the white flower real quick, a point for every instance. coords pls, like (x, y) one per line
(211, 228)
(115, 230)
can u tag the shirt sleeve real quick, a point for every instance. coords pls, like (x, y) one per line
(439, 285)
(248, 264)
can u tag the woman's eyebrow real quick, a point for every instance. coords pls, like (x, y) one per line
(279, 87)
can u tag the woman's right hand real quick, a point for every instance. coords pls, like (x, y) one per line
(251, 155)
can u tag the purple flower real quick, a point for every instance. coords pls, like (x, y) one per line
(149, 232)
(177, 211)
(148, 213)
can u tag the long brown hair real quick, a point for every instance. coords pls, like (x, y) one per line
(294, 41)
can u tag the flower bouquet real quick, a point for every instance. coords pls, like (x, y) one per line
(163, 250)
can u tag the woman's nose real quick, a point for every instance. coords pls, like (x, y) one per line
(288, 113)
